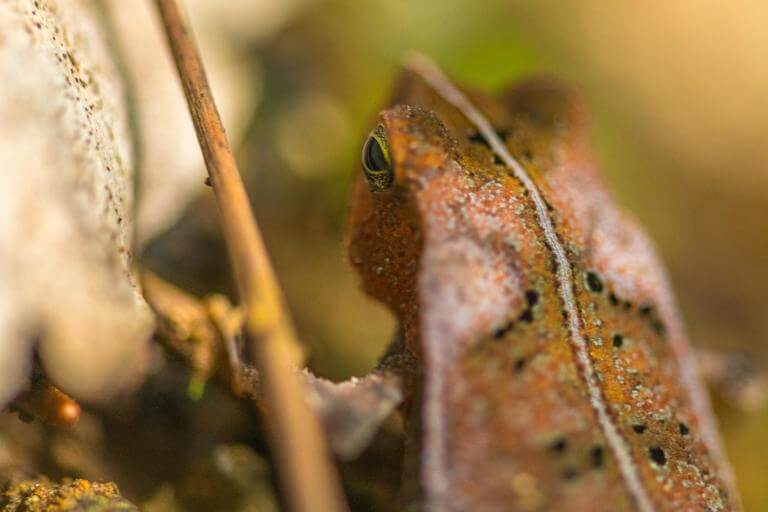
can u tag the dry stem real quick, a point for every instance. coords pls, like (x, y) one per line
(309, 480)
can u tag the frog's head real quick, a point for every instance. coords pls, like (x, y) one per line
(402, 157)
(437, 225)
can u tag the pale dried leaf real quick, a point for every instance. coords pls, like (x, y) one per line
(172, 169)
(66, 206)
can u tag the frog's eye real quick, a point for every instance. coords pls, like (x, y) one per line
(376, 161)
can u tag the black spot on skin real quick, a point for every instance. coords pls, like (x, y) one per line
(519, 365)
(613, 299)
(558, 446)
(597, 456)
(645, 309)
(627, 305)
(502, 331)
(684, 430)
(594, 284)
(24, 417)
(532, 297)
(648, 311)
(478, 138)
(502, 134)
(639, 428)
(657, 455)
(497, 160)
(569, 473)
(527, 316)
(618, 340)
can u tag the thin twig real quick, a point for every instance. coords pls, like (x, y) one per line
(308, 478)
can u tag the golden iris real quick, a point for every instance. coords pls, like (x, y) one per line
(376, 160)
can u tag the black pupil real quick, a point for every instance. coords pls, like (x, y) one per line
(373, 156)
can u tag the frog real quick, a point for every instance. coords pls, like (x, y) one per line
(542, 361)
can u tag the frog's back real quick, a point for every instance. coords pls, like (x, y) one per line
(556, 374)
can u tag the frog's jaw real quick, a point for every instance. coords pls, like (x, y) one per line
(446, 290)
(468, 285)
(384, 243)
(384, 234)
(461, 299)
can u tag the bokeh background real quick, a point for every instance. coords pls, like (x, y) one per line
(677, 91)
